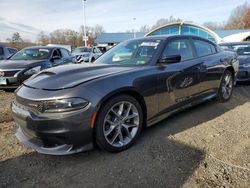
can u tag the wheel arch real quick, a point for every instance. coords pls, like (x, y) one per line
(231, 69)
(127, 91)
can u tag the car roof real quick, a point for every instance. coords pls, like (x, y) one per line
(233, 43)
(164, 37)
(41, 47)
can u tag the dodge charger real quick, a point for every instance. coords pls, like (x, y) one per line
(69, 109)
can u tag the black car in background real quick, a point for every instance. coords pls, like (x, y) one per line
(6, 52)
(243, 51)
(30, 61)
(137, 83)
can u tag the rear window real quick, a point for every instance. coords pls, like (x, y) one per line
(1, 51)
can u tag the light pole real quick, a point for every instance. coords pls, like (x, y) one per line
(134, 20)
(85, 38)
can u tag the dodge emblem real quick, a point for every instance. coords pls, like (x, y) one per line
(1, 74)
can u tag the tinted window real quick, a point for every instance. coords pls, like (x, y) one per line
(57, 53)
(65, 53)
(204, 48)
(180, 47)
(1, 51)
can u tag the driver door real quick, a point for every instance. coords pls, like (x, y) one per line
(57, 58)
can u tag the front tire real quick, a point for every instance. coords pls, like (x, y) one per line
(226, 87)
(119, 123)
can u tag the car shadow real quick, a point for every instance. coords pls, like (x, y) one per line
(154, 161)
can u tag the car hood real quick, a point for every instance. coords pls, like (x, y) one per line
(69, 76)
(244, 59)
(18, 64)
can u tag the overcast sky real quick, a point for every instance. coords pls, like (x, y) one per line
(29, 17)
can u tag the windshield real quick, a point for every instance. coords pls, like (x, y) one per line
(32, 54)
(135, 52)
(81, 50)
(241, 49)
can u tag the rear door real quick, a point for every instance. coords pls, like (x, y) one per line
(210, 60)
(178, 82)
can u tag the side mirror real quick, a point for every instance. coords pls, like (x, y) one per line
(170, 59)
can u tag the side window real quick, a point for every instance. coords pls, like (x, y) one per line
(10, 50)
(94, 50)
(1, 51)
(203, 48)
(98, 51)
(57, 53)
(64, 52)
(180, 47)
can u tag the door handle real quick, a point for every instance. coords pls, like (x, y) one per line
(198, 68)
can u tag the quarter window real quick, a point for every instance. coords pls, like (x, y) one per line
(180, 47)
(203, 48)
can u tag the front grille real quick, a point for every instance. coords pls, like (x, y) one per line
(10, 73)
(35, 105)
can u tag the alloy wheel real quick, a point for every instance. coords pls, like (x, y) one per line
(227, 86)
(121, 124)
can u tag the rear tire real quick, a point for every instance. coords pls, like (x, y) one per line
(119, 123)
(226, 87)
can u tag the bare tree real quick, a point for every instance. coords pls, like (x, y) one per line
(43, 39)
(144, 28)
(246, 19)
(236, 19)
(214, 25)
(164, 21)
(92, 32)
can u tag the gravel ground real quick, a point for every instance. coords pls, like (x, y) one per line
(206, 146)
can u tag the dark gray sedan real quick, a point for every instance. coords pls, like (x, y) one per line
(136, 84)
(243, 51)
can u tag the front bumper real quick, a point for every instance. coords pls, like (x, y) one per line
(54, 134)
(243, 74)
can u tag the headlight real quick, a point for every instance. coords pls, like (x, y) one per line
(63, 105)
(246, 65)
(33, 70)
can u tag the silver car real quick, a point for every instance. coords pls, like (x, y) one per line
(86, 54)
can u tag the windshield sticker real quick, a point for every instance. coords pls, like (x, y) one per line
(152, 44)
(43, 50)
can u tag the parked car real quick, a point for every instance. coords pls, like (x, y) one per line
(30, 61)
(109, 102)
(86, 54)
(104, 49)
(243, 51)
(6, 52)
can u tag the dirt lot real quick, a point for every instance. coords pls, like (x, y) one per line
(206, 146)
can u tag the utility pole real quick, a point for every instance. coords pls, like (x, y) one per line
(134, 20)
(85, 38)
